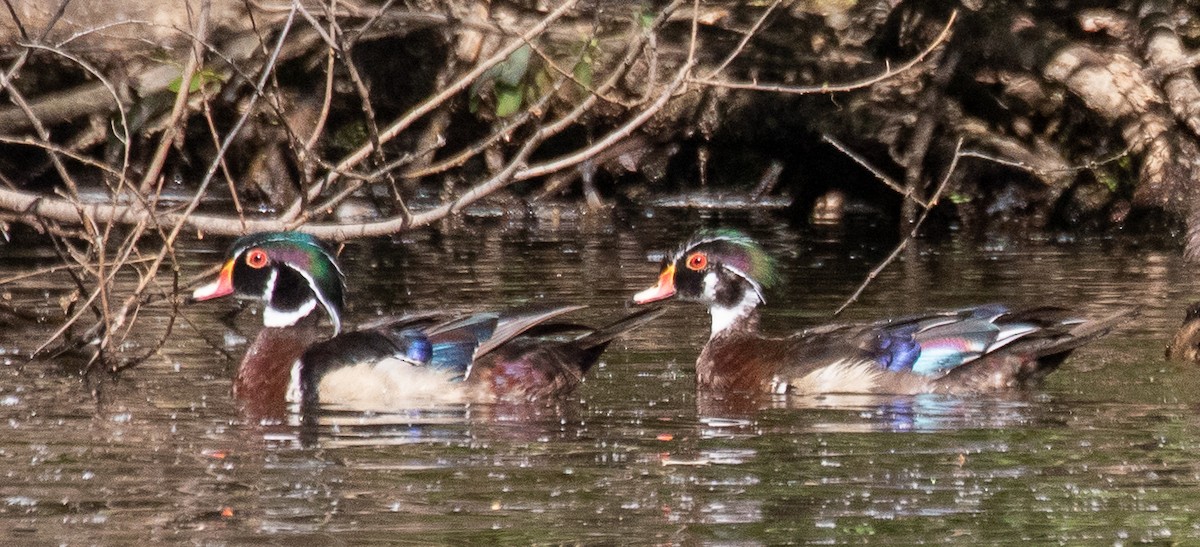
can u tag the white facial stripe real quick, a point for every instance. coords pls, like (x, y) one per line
(273, 317)
(337, 321)
(696, 243)
(758, 290)
(269, 287)
(329, 309)
(278, 318)
(754, 284)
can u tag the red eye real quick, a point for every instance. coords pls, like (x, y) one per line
(697, 261)
(256, 258)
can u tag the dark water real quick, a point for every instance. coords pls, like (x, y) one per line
(1103, 453)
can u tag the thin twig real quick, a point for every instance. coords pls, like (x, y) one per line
(143, 217)
(52, 147)
(229, 179)
(506, 129)
(43, 133)
(326, 102)
(911, 235)
(37, 273)
(580, 156)
(176, 120)
(31, 205)
(123, 133)
(848, 86)
(1090, 164)
(162, 340)
(762, 19)
(883, 177)
(80, 308)
(399, 125)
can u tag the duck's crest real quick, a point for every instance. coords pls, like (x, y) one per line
(747, 257)
(308, 256)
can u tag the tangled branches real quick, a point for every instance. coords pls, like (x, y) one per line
(349, 118)
(331, 155)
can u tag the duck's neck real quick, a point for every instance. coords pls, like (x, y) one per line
(742, 315)
(729, 360)
(265, 371)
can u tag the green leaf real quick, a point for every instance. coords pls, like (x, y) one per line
(959, 198)
(513, 69)
(507, 77)
(644, 17)
(1109, 180)
(350, 136)
(583, 73)
(200, 79)
(542, 83)
(508, 99)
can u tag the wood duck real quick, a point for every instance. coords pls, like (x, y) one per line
(977, 349)
(1185, 347)
(515, 356)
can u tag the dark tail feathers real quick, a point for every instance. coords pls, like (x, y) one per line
(603, 335)
(1029, 360)
(1083, 333)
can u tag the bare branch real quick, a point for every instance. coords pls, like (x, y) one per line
(911, 235)
(181, 98)
(424, 108)
(849, 86)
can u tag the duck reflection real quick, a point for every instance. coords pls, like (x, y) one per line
(330, 427)
(864, 413)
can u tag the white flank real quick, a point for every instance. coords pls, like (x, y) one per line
(389, 384)
(845, 376)
(293, 392)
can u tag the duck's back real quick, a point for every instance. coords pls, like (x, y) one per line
(443, 358)
(549, 359)
(975, 349)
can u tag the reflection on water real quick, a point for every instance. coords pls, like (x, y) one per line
(1103, 453)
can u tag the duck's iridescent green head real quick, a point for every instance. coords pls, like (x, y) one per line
(291, 272)
(715, 267)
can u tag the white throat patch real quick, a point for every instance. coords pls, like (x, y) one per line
(279, 318)
(273, 317)
(723, 318)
